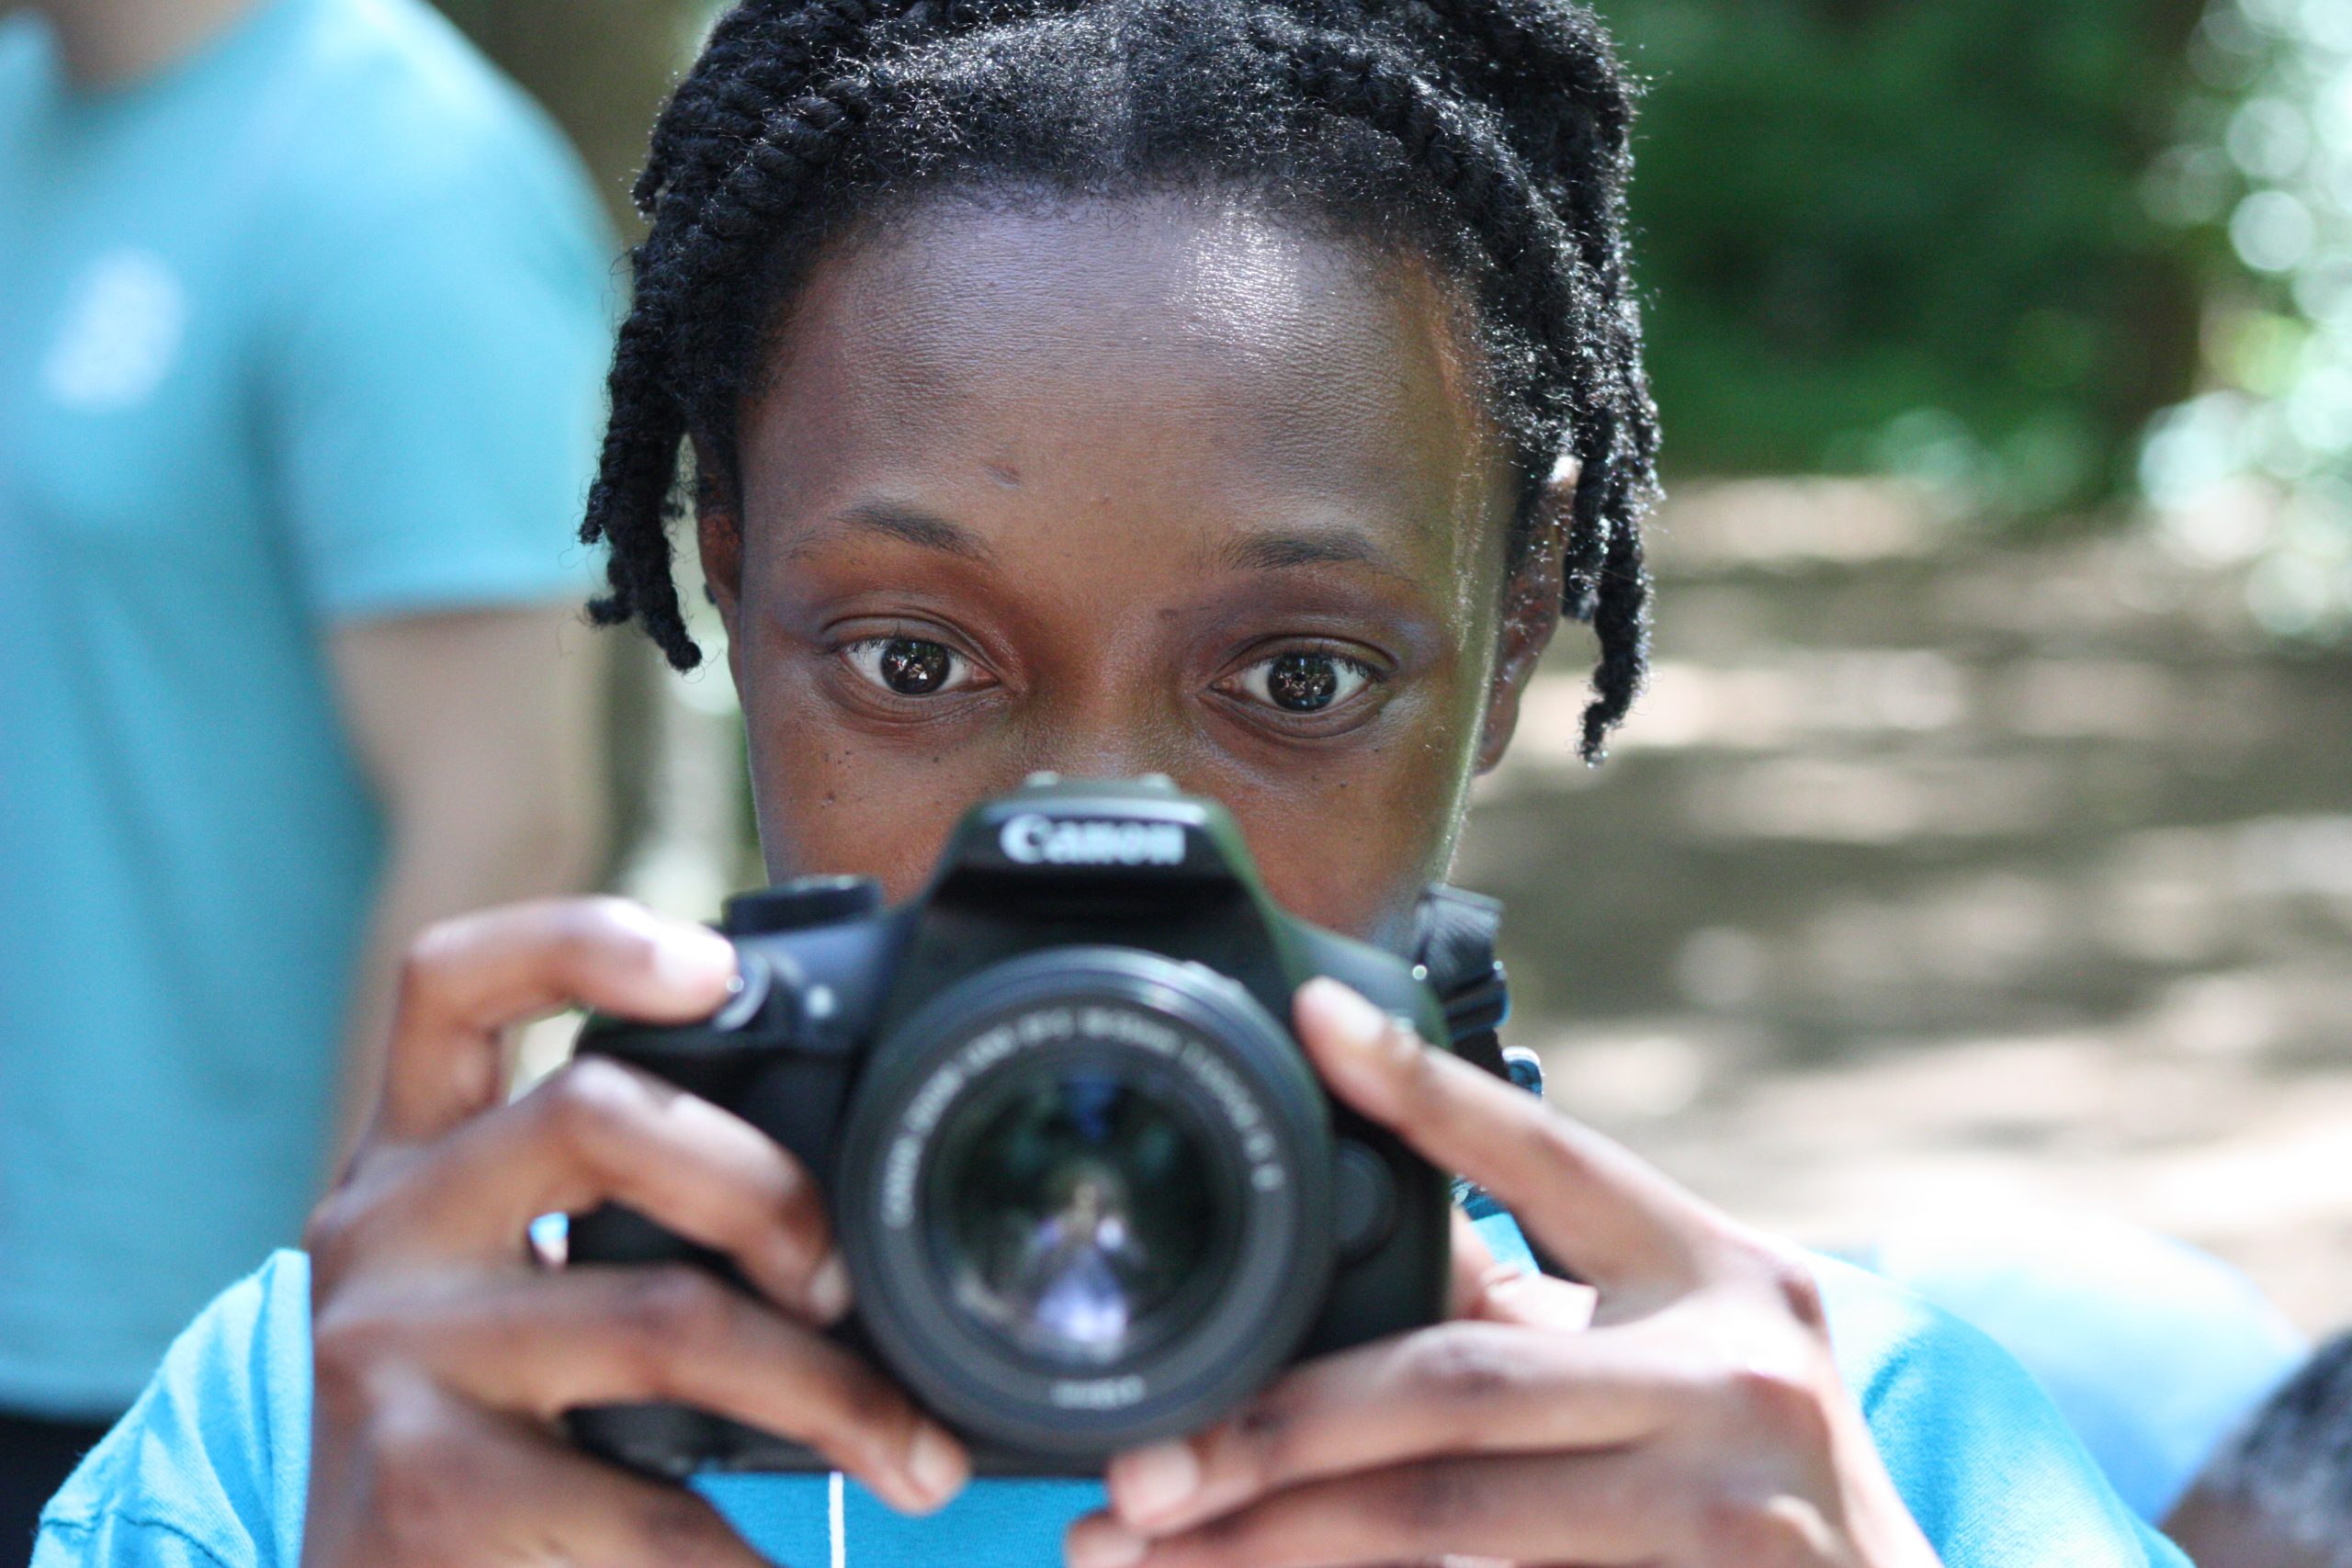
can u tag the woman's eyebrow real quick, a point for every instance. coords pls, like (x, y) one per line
(908, 524)
(1334, 545)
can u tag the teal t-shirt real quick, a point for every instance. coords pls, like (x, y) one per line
(2154, 1351)
(211, 1468)
(308, 326)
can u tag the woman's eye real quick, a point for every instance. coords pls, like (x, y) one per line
(910, 666)
(1304, 682)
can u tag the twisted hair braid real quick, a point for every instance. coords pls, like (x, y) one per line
(1492, 135)
(1586, 341)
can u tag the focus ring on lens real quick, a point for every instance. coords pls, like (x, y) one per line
(1170, 1030)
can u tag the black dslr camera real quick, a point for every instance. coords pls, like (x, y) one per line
(1088, 1187)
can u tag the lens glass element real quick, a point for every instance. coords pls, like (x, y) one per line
(1076, 1214)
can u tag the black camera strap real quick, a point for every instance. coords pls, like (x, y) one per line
(1454, 932)
(1453, 952)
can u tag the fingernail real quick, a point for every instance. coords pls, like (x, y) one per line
(829, 1290)
(1505, 1293)
(1100, 1543)
(694, 959)
(1150, 1484)
(935, 1461)
(1537, 1300)
(1355, 1020)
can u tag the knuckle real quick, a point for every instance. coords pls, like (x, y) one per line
(327, 1233)
(759, 1197)
(1751, 1255)
(375, 1200)
(347, 1347)
(418, 1487)
(1776, 1273)
(868, 1419)
(857, 1400)
(1260, 1439)
(663, 1311)
(1432, 1501)
(677, 1526)
(1415, 1064)
(1463, 1362)
(1798, 1291)
(589, 1106)
(795, 1213)
(432, 956)
(874, 1402)
(1778, 1402)
(851, 1413)
(1402, 1038)
(1413, 1503)
(1236, 1539)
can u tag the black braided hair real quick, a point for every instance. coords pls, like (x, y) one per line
(2288, 1468)
(1491, 135)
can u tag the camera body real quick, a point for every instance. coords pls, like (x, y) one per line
(1087, 1185)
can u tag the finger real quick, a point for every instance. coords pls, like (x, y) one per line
(1483, 1286)
(1457, 1388)
(1604, 1214)
(540, 1344)
(598, 1131)
(1474, 1270)
(440, 1483)
(466, 980)
(1595, 1509)
(1539, 1302)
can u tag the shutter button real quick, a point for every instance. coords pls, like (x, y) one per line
(746, 995)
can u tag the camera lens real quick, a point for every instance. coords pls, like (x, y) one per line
(1085, 1198)
(1073, 1213)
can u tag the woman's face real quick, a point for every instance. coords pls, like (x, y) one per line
(1140, 487)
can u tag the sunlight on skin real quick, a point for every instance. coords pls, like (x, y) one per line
(1105, 458)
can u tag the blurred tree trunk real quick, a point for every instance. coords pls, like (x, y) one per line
(603, 69)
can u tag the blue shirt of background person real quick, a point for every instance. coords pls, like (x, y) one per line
(302, 331)
(2153, 1350)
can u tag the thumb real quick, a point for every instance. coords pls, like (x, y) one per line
(1488, 1289)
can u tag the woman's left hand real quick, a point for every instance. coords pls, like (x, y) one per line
(1683, 1410)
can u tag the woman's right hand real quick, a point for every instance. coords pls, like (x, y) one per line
(443, 1356)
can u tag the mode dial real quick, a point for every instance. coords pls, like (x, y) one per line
(803, 902)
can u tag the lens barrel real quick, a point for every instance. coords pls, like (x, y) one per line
(1085, 1200)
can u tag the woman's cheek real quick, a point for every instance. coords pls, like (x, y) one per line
(1353, 852)
(832, 802)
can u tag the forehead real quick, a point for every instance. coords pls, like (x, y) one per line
(1168, 350)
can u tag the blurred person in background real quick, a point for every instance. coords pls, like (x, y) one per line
(2154, 1351)
(2278, 1494)
(303, 311)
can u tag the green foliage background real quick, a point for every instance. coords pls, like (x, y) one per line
(1910, 234)
(1874, 234)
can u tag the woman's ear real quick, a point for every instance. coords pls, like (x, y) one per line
(718, 535)
(1530, 612)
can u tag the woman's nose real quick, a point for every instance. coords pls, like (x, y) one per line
(1094, 763)
(1110, 756)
